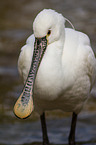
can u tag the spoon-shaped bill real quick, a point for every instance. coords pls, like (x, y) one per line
(25, 103)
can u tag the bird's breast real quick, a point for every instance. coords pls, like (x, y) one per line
(49, 81)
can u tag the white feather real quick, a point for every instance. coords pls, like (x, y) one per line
(67, 71)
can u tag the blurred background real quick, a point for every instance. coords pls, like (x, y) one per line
(16, 18)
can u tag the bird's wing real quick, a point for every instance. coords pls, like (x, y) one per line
(25, 57)
(88, 58)
(79, 55)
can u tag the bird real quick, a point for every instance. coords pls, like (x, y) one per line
(58, 67)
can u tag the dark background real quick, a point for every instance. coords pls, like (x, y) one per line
(16, 18)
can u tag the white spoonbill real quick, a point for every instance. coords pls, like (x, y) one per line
(58, 68)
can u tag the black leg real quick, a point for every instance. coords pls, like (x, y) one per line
(72, 131)
(44, 130)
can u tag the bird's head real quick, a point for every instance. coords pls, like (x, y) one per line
(49, 23)
(48, 27)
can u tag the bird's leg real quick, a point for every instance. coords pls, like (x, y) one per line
(72, 131)
(44, 130)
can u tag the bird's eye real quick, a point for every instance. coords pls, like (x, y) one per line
(49, 32)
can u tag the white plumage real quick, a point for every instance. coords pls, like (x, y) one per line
(63, 69)
(67, 71)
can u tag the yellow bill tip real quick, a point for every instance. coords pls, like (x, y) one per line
(23, 110)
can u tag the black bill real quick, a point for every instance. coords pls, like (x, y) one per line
(25, 103)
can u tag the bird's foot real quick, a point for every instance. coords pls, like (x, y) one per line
(72, 143)
(45, 142)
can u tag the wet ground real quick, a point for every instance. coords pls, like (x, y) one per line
(16, 19)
